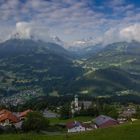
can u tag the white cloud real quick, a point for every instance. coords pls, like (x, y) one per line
(118, 34)
(28, 30)
(68, 19)
(131, 32)
(116, 2)
(24, 29)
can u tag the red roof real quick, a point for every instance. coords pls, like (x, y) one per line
(73, 124)
(24, 113)
(4, 111)
(7, 115)
(108, 124)
(105, 121)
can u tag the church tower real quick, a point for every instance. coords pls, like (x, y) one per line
(74, 106)
(76, 103)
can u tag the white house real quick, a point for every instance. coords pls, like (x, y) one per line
(75, 127)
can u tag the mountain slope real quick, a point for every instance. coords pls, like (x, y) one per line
(15, 47)
(31, 68)
(123, 54)
(34, 67)
(109, 81)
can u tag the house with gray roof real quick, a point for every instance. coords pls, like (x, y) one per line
(103, 121)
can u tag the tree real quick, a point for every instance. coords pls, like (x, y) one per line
(110, 110)
(137, 114)
(65, 111)
(113, 113)
(35, 121)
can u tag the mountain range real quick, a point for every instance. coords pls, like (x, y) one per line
(30, 68)
(31, 65)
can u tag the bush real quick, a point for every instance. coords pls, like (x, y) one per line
(35, 121)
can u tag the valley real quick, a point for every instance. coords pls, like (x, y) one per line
(69, 69)
(34, 68)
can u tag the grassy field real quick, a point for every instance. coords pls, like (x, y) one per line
(123, 132)
(81, 118)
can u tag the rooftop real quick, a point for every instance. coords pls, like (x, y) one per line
(103, 119)
(73, 124)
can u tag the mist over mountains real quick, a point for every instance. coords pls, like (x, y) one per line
(69, 66)
(35, 63)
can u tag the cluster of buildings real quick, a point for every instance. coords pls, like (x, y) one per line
(127, 112)
(101, 121)
(16, 118)
(19, 98)
(77, 105)
(10, 118)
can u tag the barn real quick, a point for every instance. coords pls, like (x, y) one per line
(103, 121)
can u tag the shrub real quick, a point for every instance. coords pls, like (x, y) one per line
(35, 121)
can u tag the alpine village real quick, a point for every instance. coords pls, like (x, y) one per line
(69, 69)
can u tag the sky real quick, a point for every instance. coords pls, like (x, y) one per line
(104, 21)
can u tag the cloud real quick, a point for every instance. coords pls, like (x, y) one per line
(59, 16)
(24, 29)
(68, 19)
(110, 36)
(128, 33)
(116, 2)
(28, 30)
(131, 32)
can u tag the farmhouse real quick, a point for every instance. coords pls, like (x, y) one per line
(7, 118)
(103, 121)
(75, 127)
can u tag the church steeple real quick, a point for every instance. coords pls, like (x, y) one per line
(76, 103)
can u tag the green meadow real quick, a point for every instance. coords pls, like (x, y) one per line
(81, 119)
(122, 132)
